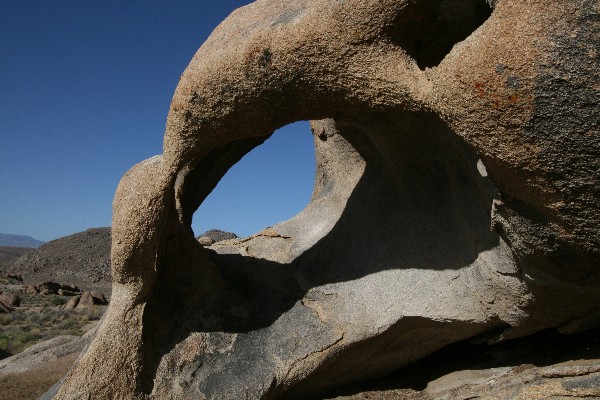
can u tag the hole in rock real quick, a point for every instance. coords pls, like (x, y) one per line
(271, 183)
(399, 202)
(427, 30)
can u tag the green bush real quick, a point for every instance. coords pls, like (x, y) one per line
(18, 316)
(34, 318)
(23, 340)
(3, 342)
(68, 325)
(94, 313)
(58, 301)
(25, 337)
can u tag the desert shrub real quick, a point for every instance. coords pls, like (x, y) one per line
(58, 301)
(25, 337)
(21, 341)
(53, 316)
(69, 324)
(34, 318)
(94, 313)
(5, 319)
(18, 316)
(3, 342)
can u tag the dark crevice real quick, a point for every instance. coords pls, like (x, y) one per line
(427, 30)
(542, 349)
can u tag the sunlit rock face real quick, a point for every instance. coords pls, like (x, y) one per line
(457, 195)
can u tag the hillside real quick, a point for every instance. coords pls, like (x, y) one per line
(9, 240)
(79, 258)
(9, 254)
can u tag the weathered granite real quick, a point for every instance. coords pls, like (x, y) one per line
(434, 121)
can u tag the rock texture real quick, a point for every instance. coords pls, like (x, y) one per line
(216, 235)
(576, 379)
(9, 299)
(457, 195)
(83, 257)
(545, 365)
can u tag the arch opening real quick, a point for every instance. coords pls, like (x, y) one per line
(271, 183)
(427, 30)
(399, 201)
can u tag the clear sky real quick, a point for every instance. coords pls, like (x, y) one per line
(85, 87)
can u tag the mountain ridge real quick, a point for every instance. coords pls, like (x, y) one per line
(82, 257)
(12, 240)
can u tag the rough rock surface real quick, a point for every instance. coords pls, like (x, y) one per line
(83, 257)
(72, 303)
(98, 297)
(9, 299)
(576, 379)
(457, 195)
(546, 365)
(217, 235)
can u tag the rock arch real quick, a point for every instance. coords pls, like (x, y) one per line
(393, 258)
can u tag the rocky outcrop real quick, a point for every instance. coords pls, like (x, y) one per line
(46, 288)
(215, 235)
(40, 362)
(85, 300)
(576, 379)
(83, 257)
(456, 196)
(43, 352)
(72, 303)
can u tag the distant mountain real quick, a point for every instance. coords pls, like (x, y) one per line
(80, 258)
(8, 240)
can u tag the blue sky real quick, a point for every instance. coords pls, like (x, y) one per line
(85, 88)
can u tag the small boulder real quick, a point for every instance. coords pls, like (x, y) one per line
(72, 303)
(4, 308)
(10, 299)
(217, 235)
(32, 289)
(98, 297)
(205, 241)
(86, 301)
